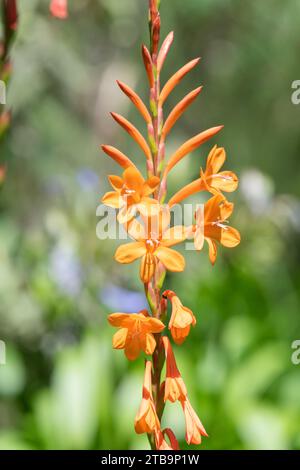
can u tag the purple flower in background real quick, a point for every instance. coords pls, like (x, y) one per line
(65, 270)
(122, 300)
(87, 179)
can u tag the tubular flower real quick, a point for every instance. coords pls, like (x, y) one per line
(211, 179)
(212, 226)
(181, 318)
(153, 242)
(175, 388)
(131, 193)
(135, 333)
(146, 420)
(214, 180)
(59, 8)
(194, 427)
(161, 443)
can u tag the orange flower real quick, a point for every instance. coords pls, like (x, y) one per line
(214, 180)
(212, 226)
(135, 333)
(175, 388)
(131, 193)
(153, 241)
(181, 318)
(146, 419)
(161, 443)
(211, 179)
(194, 427)
(59, 8)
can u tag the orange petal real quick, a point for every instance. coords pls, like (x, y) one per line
(194, 427)
(226, 208)
(132, 347)
(134, 133)
(130, 252)
(154, 325)
(149, 344)
(133, 179)
(117, 156)
(164, 50)
(230, 237)
(191, 145)
(212, 250)
(136, 100)
(146, 421)
(216, 159)
(150, 185)
(147, 267)
(175, 79)
(116, 182)
(225, 181)
(217, 209)
(112, 199)
(179, 335)
(148, 65)
(171, 259)
(119, 338)
(179, 110)
(117, 319)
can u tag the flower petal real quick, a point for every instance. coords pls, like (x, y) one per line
(230, 237)
(212, 250)
(147, 267)
(150, 185)
(133, 179)
(149, 343)
(117, 319)
(154, 325)
(171, 259)
(112, 199)
(225, 181)
(130, 252)
(215, 159)
(132, 347)
(116, 182)
(119, 338)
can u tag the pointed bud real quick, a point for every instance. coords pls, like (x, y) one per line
(148, 65)
(164, 50)
(191, 145)
(117, 156)
(136, 100)
(134, 133)
(179, 109)
(175, 79)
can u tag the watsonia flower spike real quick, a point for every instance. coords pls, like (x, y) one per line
(138, 199)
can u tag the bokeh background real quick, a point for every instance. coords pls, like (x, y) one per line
(62, 386)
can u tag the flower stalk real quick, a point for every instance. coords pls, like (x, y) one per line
(148, 222)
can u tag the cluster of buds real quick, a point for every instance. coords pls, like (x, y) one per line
(147, 219)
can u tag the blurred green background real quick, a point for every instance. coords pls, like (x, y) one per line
(62, 386)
